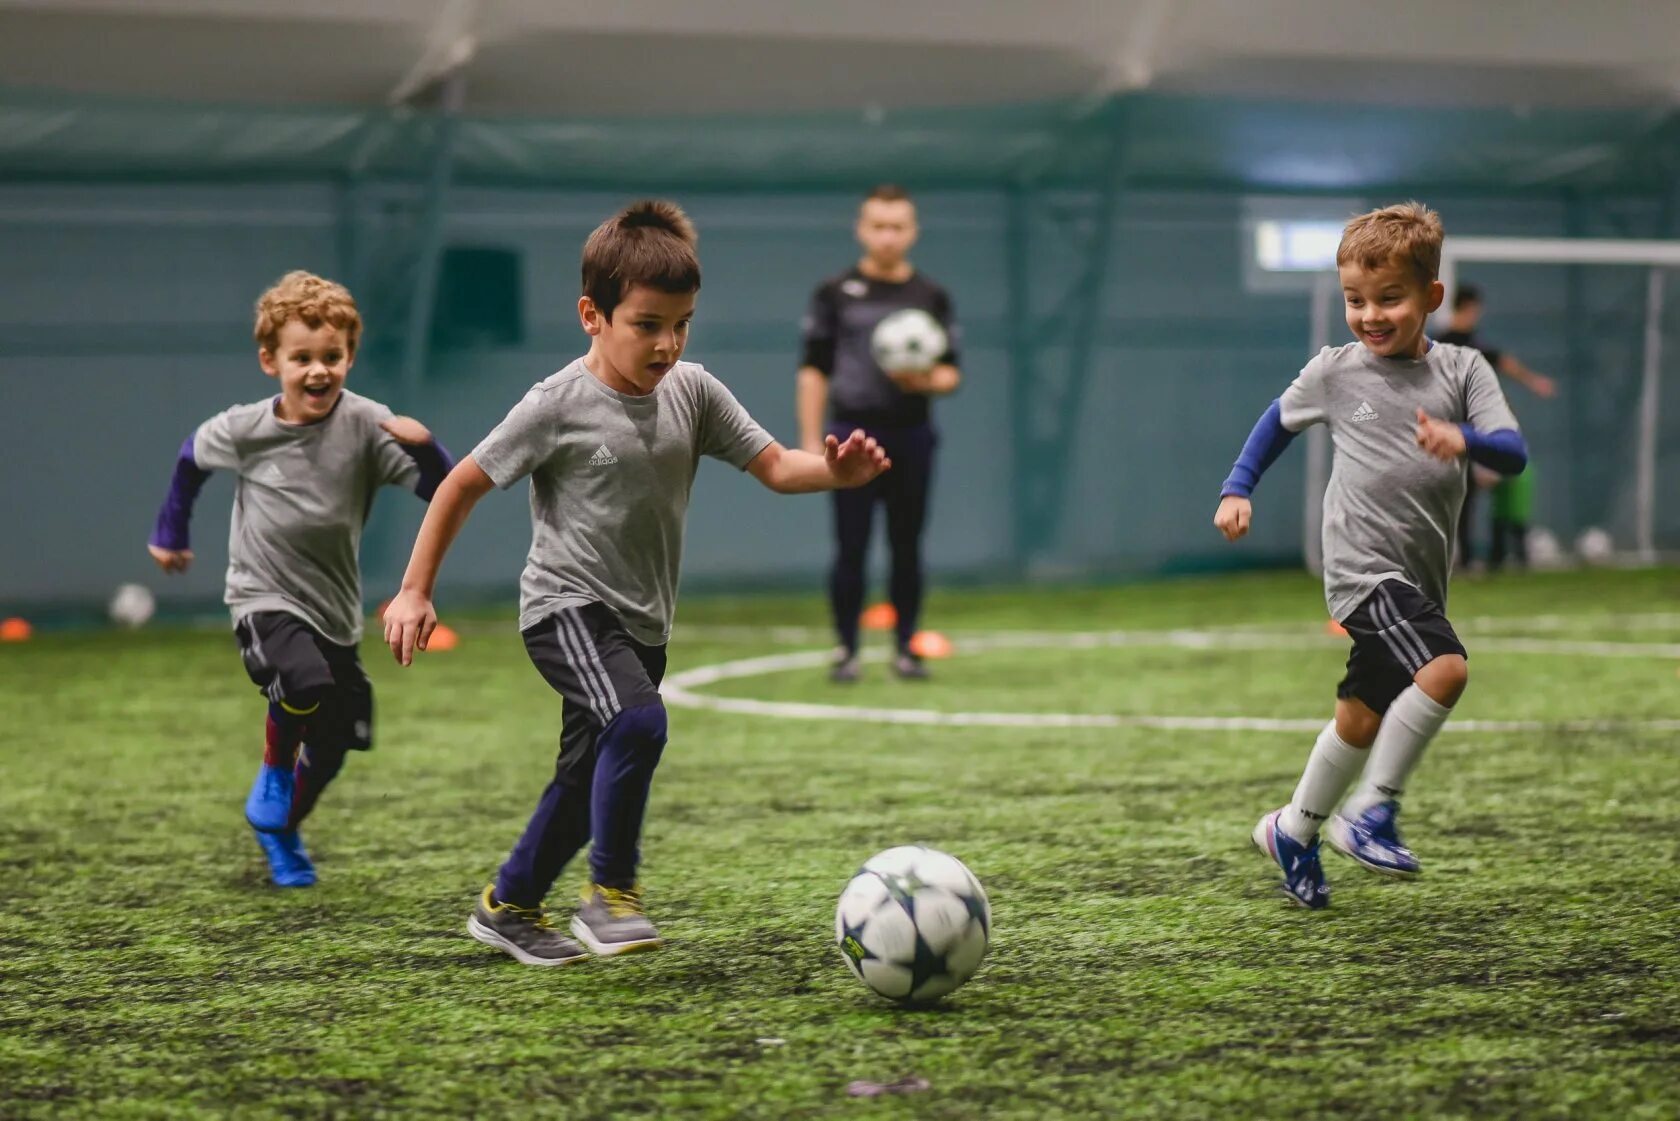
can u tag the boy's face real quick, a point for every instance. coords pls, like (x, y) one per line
(887, 229)
(643, 339)
(311, 364)
(1388, 308)
(1469, 313)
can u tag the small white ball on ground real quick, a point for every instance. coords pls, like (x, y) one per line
(132, 606)
(1544, 551)
(1594, 545)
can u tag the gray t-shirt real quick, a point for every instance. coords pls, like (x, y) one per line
(1391, 509)
(610, 479)
(303, 493)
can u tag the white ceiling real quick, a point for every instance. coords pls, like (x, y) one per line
(694, 56)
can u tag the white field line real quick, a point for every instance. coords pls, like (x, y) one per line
(1644, 620)
(1303, 635)
(1256, 640)
(679, 688)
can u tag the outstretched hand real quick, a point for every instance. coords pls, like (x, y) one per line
(407, 430)
(856, 460)
(1440, 438)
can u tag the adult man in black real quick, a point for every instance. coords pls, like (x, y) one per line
(841, 383)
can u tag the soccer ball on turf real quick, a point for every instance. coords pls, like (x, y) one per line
(1594, 545)
(907, 341)
(1544, 551)
(913, 924)
(132, 606)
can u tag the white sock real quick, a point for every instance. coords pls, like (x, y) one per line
(1411, 722)
(1331, 769)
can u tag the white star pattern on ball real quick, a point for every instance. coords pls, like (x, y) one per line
(913, 924)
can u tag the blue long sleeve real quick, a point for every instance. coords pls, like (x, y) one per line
(170, 530)
(1264, 444)
(1503, 450)
(435, 464)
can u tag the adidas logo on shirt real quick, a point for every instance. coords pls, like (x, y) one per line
(1360, 415)
(603, 457)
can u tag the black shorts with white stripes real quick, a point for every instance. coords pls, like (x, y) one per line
(293, 664)
(1396, 631)
(588, 657)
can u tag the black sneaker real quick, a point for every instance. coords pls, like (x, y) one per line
(611, 921)
(523, 933)
(845, 670)
(909, 667)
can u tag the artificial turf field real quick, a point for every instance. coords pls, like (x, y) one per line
(1141, 965)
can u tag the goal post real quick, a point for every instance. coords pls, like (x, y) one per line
(1654, 256)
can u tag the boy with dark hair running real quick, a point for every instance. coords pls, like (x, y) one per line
(611, 444)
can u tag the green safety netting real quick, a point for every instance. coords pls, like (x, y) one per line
(1144, 139)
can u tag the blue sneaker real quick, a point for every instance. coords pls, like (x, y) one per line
(1303, 876)
(1373, 839)
(269, 804)
(288, 864)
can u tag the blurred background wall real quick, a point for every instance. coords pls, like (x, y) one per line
(1087, 177)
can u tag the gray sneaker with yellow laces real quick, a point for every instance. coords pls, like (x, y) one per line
(612, 921)
(523, 933)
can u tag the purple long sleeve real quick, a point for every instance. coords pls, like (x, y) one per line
(434, 462)
(1504, 450)
(170, 530)
(1264, 444)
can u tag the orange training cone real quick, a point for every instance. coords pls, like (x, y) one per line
(879, 617)
(1335, 628)
(15, 630)
(930, 644)
(443, 638)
